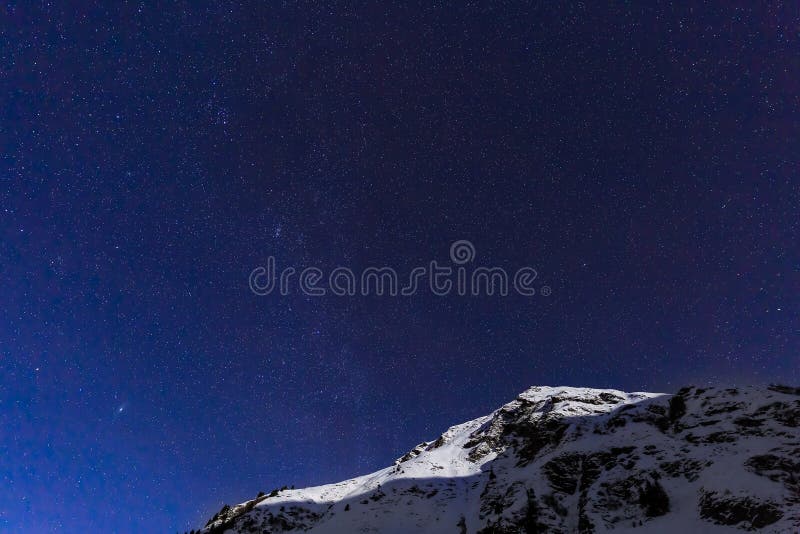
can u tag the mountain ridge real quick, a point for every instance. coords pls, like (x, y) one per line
(569, 459)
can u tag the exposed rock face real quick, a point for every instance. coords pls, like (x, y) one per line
(572, 460)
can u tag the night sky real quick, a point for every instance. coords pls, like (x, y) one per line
(643, 159)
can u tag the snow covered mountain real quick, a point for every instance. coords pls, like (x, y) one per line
(564, 459)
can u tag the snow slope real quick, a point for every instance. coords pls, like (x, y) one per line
(564, 459)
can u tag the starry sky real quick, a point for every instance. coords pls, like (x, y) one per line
(642, 158)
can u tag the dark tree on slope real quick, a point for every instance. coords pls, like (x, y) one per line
(530, 523)
(654, 500)
(677, 407)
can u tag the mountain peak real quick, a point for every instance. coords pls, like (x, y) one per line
(572, 459)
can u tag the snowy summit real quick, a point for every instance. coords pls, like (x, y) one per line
(564, 459)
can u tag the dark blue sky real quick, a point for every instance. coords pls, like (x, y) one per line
(644, 159)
